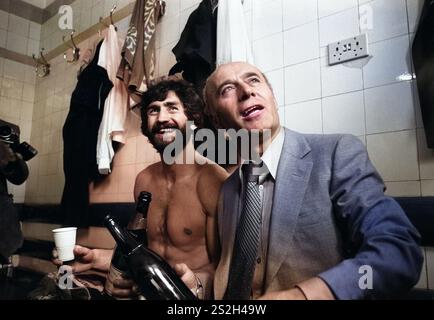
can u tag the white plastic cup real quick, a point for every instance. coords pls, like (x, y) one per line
(64, 239)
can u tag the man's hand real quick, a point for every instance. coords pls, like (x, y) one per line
(120, 286)
(187, 276)
(291, 294)
(84, 259)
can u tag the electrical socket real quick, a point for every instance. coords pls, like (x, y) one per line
(348, 49)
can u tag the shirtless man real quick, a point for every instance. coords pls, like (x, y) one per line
(181, 222)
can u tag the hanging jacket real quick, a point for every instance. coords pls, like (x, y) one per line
(137, 67)
(196, 50)
(112, 126)
(80, 133)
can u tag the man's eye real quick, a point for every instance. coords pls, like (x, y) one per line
(225, 90)
(152, 110)
(254, 80)
(173, 108)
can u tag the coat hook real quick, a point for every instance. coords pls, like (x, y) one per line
(42, 69)
(111, 17)
(75, 50)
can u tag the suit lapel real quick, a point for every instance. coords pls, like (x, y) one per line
(228, 220)
(292, 178)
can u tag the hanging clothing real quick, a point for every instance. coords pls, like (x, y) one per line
(137, 67)
(80, 133)
(112, 126)
(196, 50)
(423, 61)
(232, 38)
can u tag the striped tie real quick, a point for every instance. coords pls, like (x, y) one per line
(246, 242)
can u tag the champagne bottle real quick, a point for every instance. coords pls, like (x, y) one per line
(153, 276)
(137, 228)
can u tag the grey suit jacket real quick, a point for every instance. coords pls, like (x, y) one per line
(329, 218)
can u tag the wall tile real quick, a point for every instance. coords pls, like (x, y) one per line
(4, 20)
(302, 82)
(296, 13)
(126, 178)
(389, 20)
(339, 79)
(268, 52)
(403, 189)
(328, 7)
(385, 68)
(304, 117)
(166, 59)
(19, 26)
(427, 188)
(383, 102)
(127, 153)
(344, 114)
(301, 43)
(394, 155)
(331, 30)
(16, 43)
(33, 47)
(3, 38)
(35, 31)
(268, 18)
(169, 30)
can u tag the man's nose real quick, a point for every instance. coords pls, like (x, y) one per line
(244, 92)
(163, 115)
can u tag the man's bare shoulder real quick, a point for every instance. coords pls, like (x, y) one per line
(149, 173)
(211, 179)
(212, 173)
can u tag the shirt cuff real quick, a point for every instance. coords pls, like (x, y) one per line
(315, 289)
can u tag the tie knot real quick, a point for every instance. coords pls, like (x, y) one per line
(253, 171)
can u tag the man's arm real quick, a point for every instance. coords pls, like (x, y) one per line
(208, 189)
(378, 236)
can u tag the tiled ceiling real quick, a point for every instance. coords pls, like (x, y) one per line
(40, 3)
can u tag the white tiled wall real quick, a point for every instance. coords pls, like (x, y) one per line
(18, 34)
(373, 98)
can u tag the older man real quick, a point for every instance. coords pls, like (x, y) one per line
(315, 224)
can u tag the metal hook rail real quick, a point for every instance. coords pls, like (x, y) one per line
(75, 50)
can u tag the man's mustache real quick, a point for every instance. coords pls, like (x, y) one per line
(157, 128)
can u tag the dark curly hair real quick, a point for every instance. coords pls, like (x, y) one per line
(192, 102)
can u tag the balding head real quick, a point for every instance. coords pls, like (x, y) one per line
(219, 75)
(238, 95)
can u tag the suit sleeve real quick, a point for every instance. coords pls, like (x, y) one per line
(379, 240)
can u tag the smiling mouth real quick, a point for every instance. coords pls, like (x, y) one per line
(165, 130)
(250, 111)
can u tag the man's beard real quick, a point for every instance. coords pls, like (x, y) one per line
(161, 145)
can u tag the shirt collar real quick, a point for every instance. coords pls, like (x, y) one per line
(271, 156)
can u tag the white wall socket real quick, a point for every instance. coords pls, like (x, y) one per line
(348, 49)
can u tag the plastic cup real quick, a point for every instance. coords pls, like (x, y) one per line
(64, 240)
